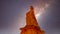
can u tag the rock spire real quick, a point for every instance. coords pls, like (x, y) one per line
(31, 24)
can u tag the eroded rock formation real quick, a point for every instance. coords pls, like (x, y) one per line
(32, 26)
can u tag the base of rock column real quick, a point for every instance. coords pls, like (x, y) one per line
(30, 29)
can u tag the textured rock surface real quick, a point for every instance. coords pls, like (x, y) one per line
(31, 24)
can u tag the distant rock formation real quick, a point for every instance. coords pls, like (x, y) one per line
(31, 24)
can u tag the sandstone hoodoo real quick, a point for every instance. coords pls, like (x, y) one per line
(31, 26)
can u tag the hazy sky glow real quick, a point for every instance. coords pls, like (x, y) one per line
(13, 15)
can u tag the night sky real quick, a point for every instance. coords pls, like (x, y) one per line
(12, 15)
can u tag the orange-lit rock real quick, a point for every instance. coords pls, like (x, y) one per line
(31, 24)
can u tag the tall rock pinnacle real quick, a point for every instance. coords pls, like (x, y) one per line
(30, 17)
(31, 24)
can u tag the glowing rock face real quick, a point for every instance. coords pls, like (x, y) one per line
(31, 24)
